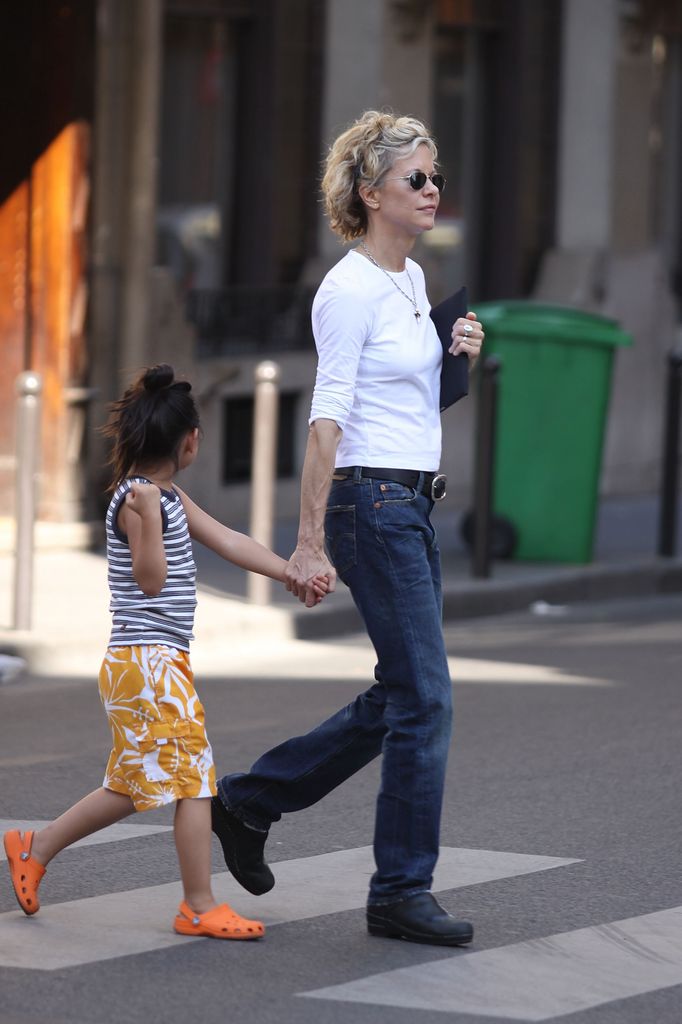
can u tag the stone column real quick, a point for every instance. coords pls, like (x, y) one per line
(378, 54)
(145, 81)
(352, 47)
(590, 34)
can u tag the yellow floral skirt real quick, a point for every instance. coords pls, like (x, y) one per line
(160, 749)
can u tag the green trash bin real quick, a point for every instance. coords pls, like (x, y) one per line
(554, 387)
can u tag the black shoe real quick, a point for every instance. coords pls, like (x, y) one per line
(242, 849)
(419, 918)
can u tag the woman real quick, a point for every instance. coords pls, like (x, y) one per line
(368, 486)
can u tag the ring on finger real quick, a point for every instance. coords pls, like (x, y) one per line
(467, 328)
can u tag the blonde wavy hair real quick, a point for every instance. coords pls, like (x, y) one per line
(365, 152)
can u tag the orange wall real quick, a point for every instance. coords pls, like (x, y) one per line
(13, 265)
(42, 252)
(59, 187)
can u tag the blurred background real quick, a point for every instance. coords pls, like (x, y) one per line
(159, 200)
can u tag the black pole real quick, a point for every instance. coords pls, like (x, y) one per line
(483, 475)
(667, 525)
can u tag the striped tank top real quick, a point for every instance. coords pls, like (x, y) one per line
(138, 618)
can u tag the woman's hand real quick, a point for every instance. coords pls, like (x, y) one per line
(467, 336)
(304, 574)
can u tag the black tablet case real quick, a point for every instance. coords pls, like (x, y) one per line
(454, 376)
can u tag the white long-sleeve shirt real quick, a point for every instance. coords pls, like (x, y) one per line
(378, 373)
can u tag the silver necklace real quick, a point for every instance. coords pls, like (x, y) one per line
(413, 300)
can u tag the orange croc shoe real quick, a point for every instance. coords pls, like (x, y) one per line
(220, 923)
(24, 870)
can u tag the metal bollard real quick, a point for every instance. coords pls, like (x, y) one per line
(263, 470)
(28, 386)
(485, 456)
(667, 525)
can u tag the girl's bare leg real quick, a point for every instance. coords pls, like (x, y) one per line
(193, 843)
(95, 811)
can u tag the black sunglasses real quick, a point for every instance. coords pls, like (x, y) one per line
(417, 180)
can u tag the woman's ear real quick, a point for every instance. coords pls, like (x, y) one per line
(370, 196)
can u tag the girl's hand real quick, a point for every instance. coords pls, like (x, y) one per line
(144, 499)
(320, 586)
(467, 336)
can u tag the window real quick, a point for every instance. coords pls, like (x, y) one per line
(195, 205)
(238, 437)
(239, 154)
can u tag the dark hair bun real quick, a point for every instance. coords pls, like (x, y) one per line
(158, 377)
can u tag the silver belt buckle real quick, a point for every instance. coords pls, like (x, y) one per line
(438, 487)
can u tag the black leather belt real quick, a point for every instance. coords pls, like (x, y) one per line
(433, 484)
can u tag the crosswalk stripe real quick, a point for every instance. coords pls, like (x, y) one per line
(112, 834)
(139, 920)
(535, 980)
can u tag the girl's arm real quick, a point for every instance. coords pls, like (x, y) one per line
(140, 519)
(231, 545)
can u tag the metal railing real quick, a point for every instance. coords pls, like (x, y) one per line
(483, 473)
(244, 319)
(667, 526)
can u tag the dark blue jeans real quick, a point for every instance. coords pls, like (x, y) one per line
(384, 548)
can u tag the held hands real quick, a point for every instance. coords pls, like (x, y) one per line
(309, 576)
(467, 336)
(144, 499)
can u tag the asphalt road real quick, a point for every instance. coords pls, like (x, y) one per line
(562, 818)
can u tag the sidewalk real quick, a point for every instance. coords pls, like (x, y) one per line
(71, 618)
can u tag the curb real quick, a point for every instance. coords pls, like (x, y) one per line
(225, 620)
(474, 599)
(221, 621)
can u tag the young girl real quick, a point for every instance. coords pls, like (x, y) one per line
(160, 753)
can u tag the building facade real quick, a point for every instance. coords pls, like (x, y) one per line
(161, 201)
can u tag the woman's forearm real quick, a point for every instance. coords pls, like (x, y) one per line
(316, 478)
